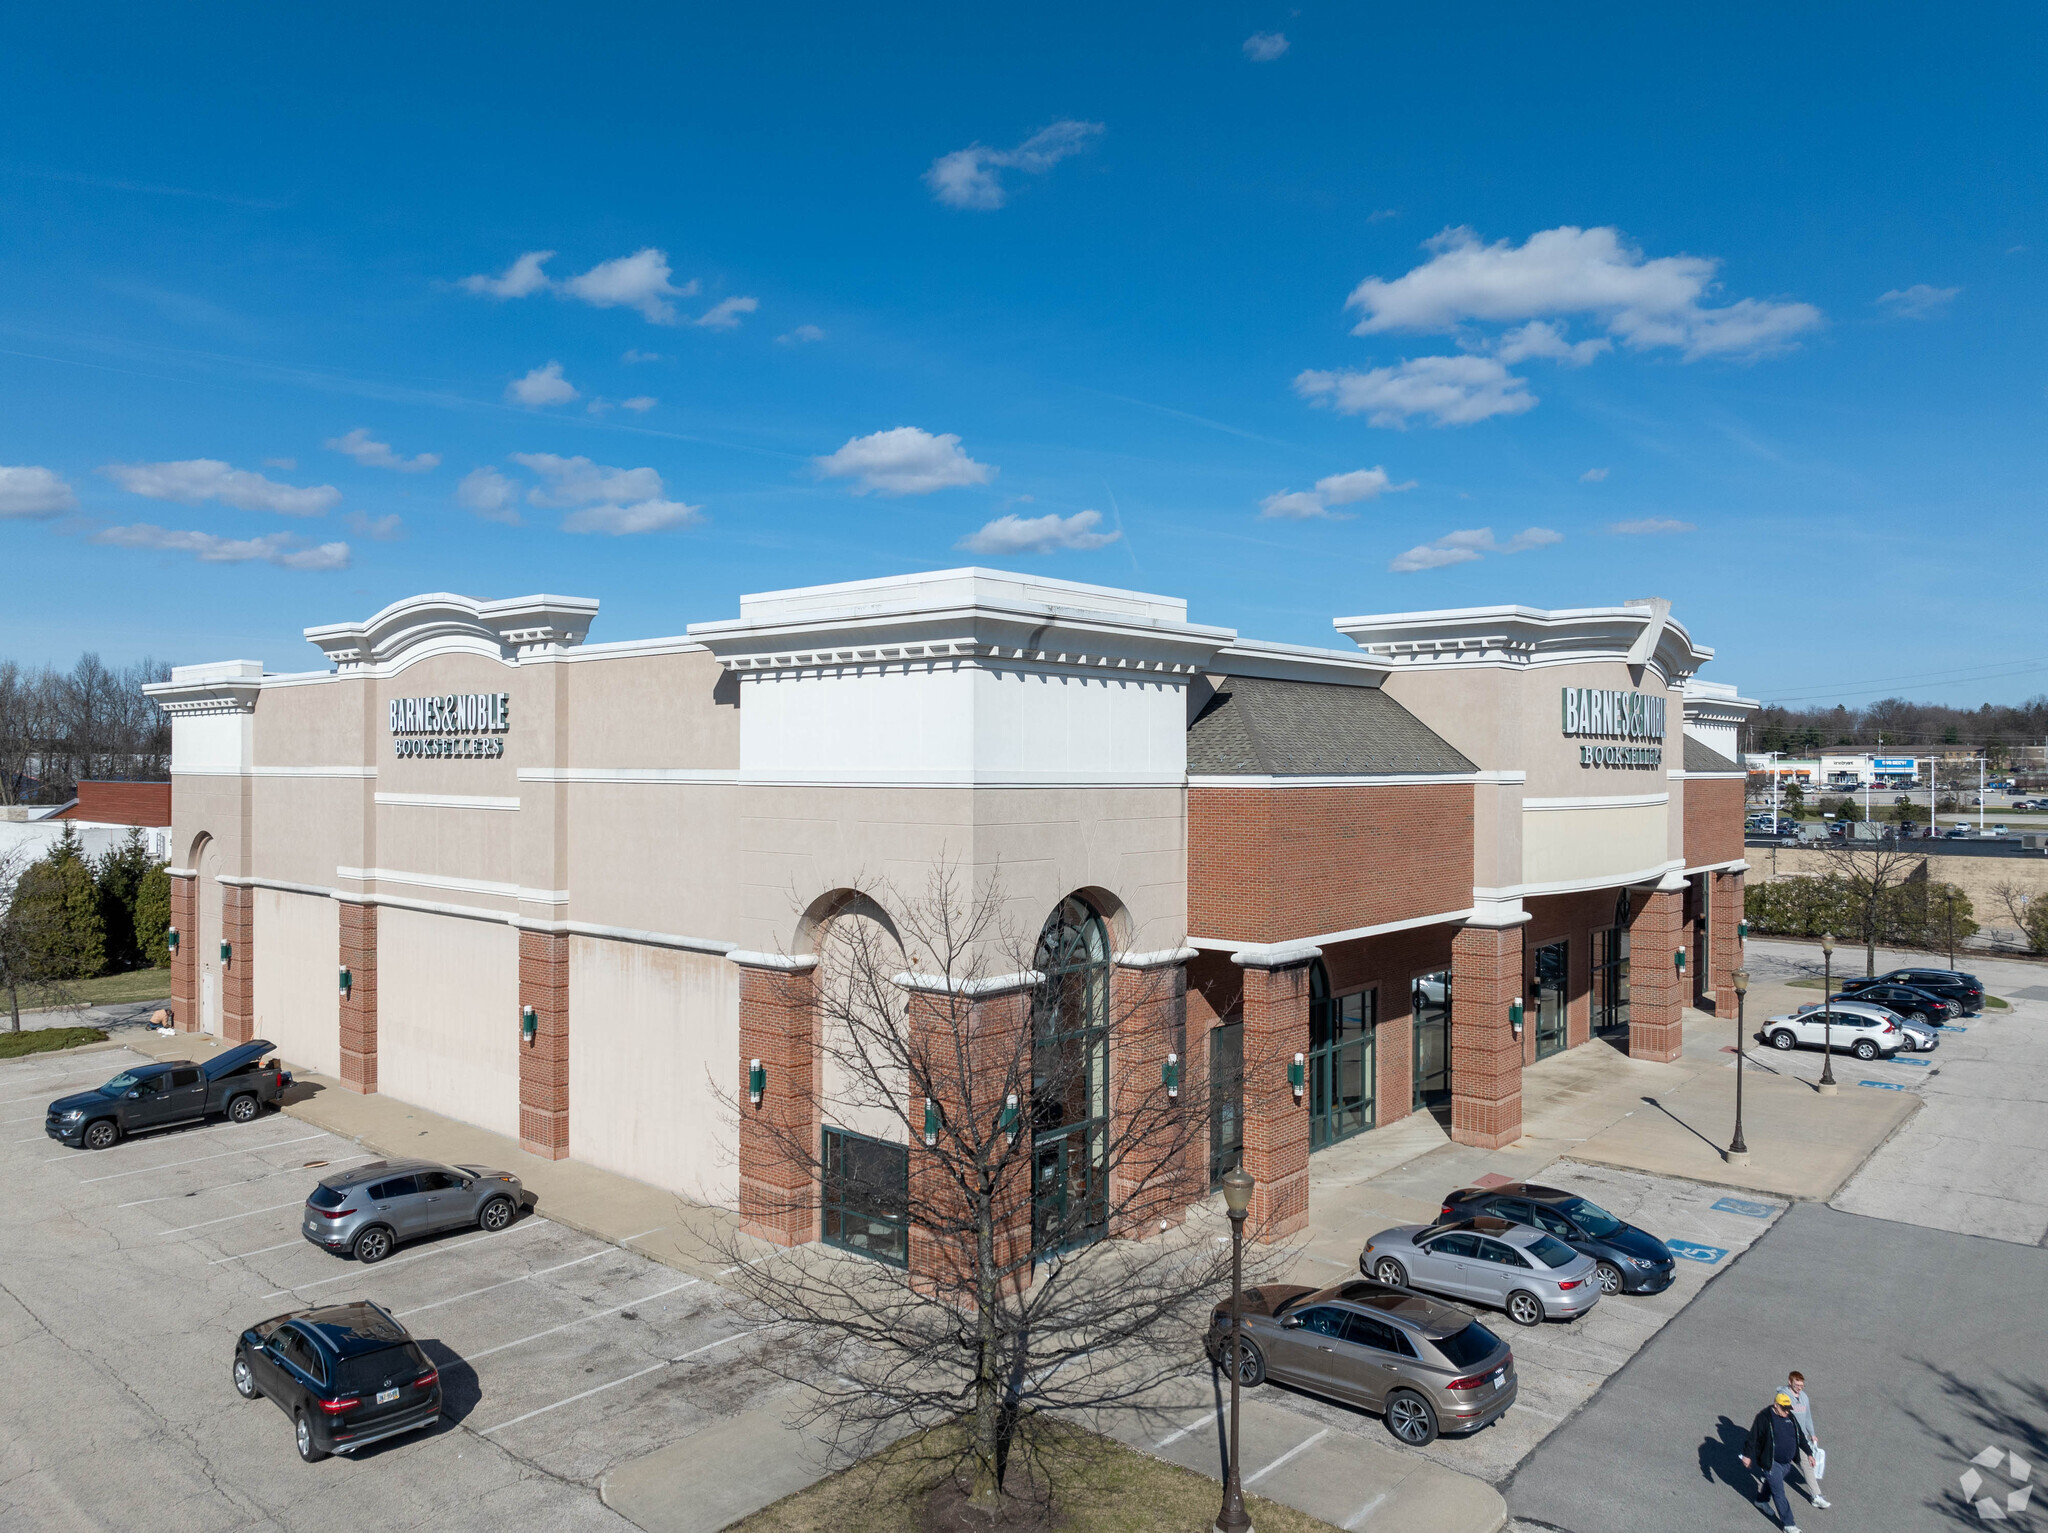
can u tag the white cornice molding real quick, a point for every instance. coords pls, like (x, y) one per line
(1162, 958)
(646, 775)
(455, 885)
(446, 801)
(1653, 873)
(312, 771)
(711, 945)
(978, 989)
(892, 777)
(787, 963)
(1517, 637)
(445, 623)
(1275, 955)
(1297, 662)
(1330, 939)
(1598, 801)
(221, 687)
(1359, 780)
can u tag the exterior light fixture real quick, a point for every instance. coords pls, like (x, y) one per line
(931, 1122)
(171, 938)
(1515, 1015)
(529, 1023)
(1169, 1075)
(226, 950)
(348, 981)
(1742, 931)
(1678, 957)
(757, 1081)
(1297, 1074)
(1006, 1120)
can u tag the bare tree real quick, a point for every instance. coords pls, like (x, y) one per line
(1868, 874)
(60, 727)
(2028, 910)
(1038, 1266)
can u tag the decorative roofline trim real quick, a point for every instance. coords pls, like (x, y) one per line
(1330, 939)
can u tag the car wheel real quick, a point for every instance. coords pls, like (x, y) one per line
(302, 1430)
(1864, 1049)
(243, 1109)
(1783, 1039)
(1524, 1308)
(1609, 1276)
(1390, 1271)
(245, 1380)
(373, 1245)
(1922, 1018)
(496, 1215)
(1411, 1418)
(103, 1135)
(1251, 1363)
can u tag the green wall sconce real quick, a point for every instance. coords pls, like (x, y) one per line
(529, 1023)
(171, 938)
(226, 950)
(1006, 1120)
(348, 981)
(1678, 957)
(1297, 1075)
(757, 1081)
(1169, 1075)
(931, 1122)
(1515, 1015)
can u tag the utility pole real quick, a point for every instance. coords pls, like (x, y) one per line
(1981, 753)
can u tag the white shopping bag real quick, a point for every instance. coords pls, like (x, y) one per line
(1820, 1463)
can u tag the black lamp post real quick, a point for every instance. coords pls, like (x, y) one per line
(1738, 1148)
(1237, 1198)
(1827, 1014)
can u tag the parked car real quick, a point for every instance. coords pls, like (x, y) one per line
(1920, 1036)
(348, 1375)
(238, 1083)
(1425, 1367)
(1950, 984)
(1910, 1002)
(1532, 1276)
(367, 1211)
(1631, 1260)
(1865, 1036)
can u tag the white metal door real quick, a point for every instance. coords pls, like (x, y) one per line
(209, 1001)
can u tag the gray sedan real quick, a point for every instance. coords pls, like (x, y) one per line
(1531, 1275)
(366, 1211)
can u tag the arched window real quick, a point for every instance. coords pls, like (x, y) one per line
(1070, 1079)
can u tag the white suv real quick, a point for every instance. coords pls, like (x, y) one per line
(1913, 1034)
(1853, 1032)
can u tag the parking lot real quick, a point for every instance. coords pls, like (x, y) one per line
(126, 1275)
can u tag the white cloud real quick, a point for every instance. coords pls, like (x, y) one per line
(1452, 391)
(801, 335)
(967, 178)
(608, 500)
(1545, 338)
(279, 548)
(725, 314)
(542, 386)
(26, 490)
(289, 465)
(490, 495)
(1651, 526)
(381, 529)
(372, 454)
(194, 480)
(1335, 490)
(631, 356)
(644, 516)
(638, 281)
(1048, 534)
(1593, 476)
(523, 276)
(1917, 302)
(1569, 271)
(904, 461)
(640, 404)
(1264, 47)
(1465, 546)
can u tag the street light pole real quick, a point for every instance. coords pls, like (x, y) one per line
(1237, 1198)
(1827, 1014)
(1738, 1148)
(1949, 899)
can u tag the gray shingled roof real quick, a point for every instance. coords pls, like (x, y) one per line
(1256, 726)
(1704, 758)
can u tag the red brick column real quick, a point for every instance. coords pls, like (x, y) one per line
(1158, 1145)
(1486, 1057)
(544, 1063)
(238, 978)
(185, 961)
(1657, 991)
(359, 1004)
(1275, 1120)
(1725, 911)
(779, 1135)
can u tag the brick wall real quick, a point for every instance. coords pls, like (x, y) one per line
(1713, 821)
(1656, 989)
(779, 1134)
(1486, 1059)
(1159, 1142)
(1725, 911)
(359, 1006)
(238, 980)
(121, 803)
(544, 1063)
(185, 961)
(1275, 1013)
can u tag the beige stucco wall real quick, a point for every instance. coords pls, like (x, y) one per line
(448, 1016)
(665, 711)
(1573, 846)
(653, 1042)
(298, 996)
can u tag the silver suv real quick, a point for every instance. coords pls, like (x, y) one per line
(1532, 1275)
(366, 1211)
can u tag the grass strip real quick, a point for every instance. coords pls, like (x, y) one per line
(40, 1040)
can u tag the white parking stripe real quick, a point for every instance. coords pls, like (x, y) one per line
(230, 1218)
(187, 1133)
(655, 1231)
(1298, 1448)
(638, 1373)
(579, 1320)
(247, 1181)
(1364, 1511)
(247, 1254)
(195, 1160)
(278, 1293)
(421, 1309)
(1193, 1426)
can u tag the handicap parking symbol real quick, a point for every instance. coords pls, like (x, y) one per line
(1693, 1253)
(1949, 1027)
(1920, 1063)
(1741, 1206)
(1883, 1085)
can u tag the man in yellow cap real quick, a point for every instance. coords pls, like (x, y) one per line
(1776, 1443)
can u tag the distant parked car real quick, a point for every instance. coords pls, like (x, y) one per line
(367, 1211)
(1532, 1276)
(1630, 1260)
(348, 1375)
(237, 1083)
(1426, 1367)
(1865, 1036)
(1950, 984)
(1921, 1037)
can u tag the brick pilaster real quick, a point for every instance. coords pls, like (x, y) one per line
(1159, 1142)
(1657, 991)
(1275, 1120)
(1725, 911)
(185, 961)
(1486, 1057)
(238, 978)
(359, 1005)
(779, 1134)
(544, 1063)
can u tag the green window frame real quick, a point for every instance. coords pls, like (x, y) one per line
(866, 1196)
(1340, 1061)
(1070, 1080)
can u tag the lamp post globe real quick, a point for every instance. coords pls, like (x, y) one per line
(1237, 1199)
(1738, 1147)
(1827, 1014)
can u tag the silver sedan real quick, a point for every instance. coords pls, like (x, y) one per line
(1532, 1276)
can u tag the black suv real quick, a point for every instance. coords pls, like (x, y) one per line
(1949, 984)
(1909, 1001)
(1631, 1260)
(348, 1375)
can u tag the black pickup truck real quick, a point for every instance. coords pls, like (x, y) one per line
(237, 1083)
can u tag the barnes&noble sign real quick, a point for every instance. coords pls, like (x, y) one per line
(1606, 714)
(461, 725)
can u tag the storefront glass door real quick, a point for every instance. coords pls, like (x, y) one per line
(1552, 967)
(1339, 1063)
(1610, 977)
(1226, 1098)
(1430, 1007)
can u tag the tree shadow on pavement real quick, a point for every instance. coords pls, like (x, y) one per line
(2004, 1412)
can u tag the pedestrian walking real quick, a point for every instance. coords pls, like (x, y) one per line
(1776, 1443)
(1802, 1412)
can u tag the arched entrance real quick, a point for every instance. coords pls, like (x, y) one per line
(208, 969)
(1070, 1079)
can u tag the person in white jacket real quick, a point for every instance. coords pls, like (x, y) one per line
(1802, 1412)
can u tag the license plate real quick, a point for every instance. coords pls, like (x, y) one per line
(1499, 1375)
(386, 1396)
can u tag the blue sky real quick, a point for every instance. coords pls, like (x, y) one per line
(1296, 313)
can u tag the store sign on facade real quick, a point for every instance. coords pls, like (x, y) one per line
(460, 725)
(1607, 713)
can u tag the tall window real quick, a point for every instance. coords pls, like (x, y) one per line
(867, 1196)
(1226, 1098)
(1553, 970)
(1610, 973)
(1340, 1098)
(1429, 1004)
(1070, 1080)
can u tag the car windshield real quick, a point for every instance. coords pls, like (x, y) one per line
(383, 1369)
(1552, 1253)
(1472, 1345)
(1592, 1218)
(125, 1081)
